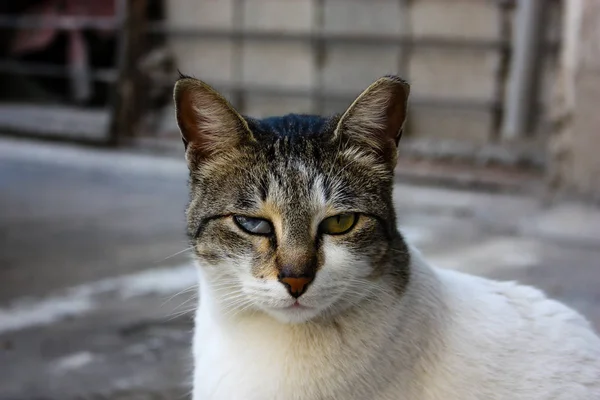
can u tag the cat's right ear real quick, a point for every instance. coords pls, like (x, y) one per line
(208, 123)
(375, 120)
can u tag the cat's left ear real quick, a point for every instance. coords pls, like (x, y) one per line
(208, 123)
(376, 118)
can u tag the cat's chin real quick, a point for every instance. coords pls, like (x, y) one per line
(294, 314)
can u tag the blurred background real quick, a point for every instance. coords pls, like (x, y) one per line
(498, 175)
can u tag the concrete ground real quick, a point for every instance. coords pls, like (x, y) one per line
(95, 301)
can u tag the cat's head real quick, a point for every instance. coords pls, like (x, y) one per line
(293, 215)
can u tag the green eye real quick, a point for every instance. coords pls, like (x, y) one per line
(256, 226)
(338, 224)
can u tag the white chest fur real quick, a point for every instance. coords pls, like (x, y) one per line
(260, 358)
(452, 337)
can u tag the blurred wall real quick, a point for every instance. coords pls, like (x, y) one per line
(574, 149)
(475, 75)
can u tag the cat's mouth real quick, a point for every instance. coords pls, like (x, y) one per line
(295, 312)
(297, 306)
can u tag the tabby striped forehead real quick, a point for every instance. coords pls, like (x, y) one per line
(291, 186)
(309, 183)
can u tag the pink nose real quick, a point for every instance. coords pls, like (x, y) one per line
(296, 286)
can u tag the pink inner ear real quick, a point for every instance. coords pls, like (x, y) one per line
(188, 118)
(192, 123)
(396, 114)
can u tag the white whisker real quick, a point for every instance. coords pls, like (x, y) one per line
(186, 290)
(176, 254)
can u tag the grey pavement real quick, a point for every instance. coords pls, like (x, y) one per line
(96, 304)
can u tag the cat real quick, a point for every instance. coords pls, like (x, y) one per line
(307, 290)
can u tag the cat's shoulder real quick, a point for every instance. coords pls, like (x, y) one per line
(503, 328)
(521, 325)
(522, 302)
